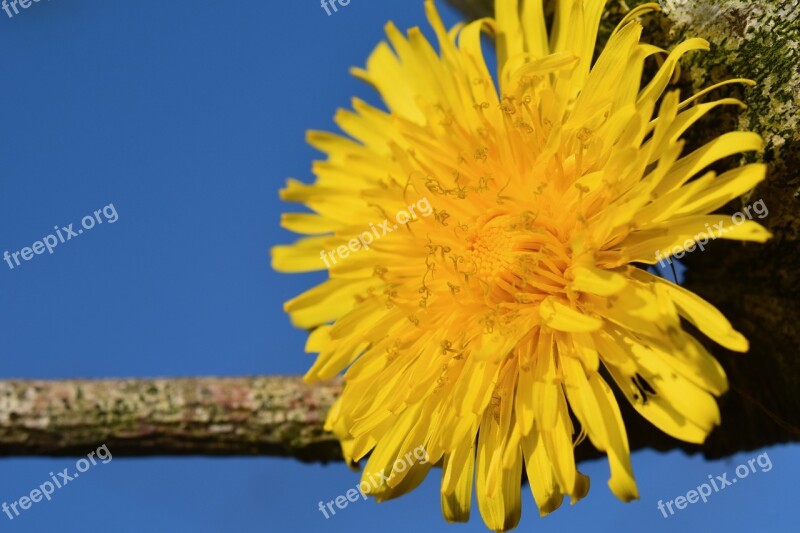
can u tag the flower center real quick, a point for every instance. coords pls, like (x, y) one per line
(517, 259)
(491, 248)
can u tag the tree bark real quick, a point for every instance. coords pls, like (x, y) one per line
(266, 416)
(278, 416)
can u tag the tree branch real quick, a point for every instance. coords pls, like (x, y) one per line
(267, 416)
(278, 416)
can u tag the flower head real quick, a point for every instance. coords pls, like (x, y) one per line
(490, 331)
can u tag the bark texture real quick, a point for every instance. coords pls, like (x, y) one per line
(267, 416)
(278, 416)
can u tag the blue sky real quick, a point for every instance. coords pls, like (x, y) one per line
(187, 117)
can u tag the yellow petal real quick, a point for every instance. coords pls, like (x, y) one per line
(563, 318)
(457, 474)
(302, 256)
(597, 281)
(596, 408)
(701, 314)
(558, 443)
(325, 302)
(502, 510)
(544, 485)
(657, 410)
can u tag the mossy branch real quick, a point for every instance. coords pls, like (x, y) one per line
(277, 416)
(266, 416)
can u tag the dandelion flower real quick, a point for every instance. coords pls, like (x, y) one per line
(491, 332)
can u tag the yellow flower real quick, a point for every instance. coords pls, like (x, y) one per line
(477, 331)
